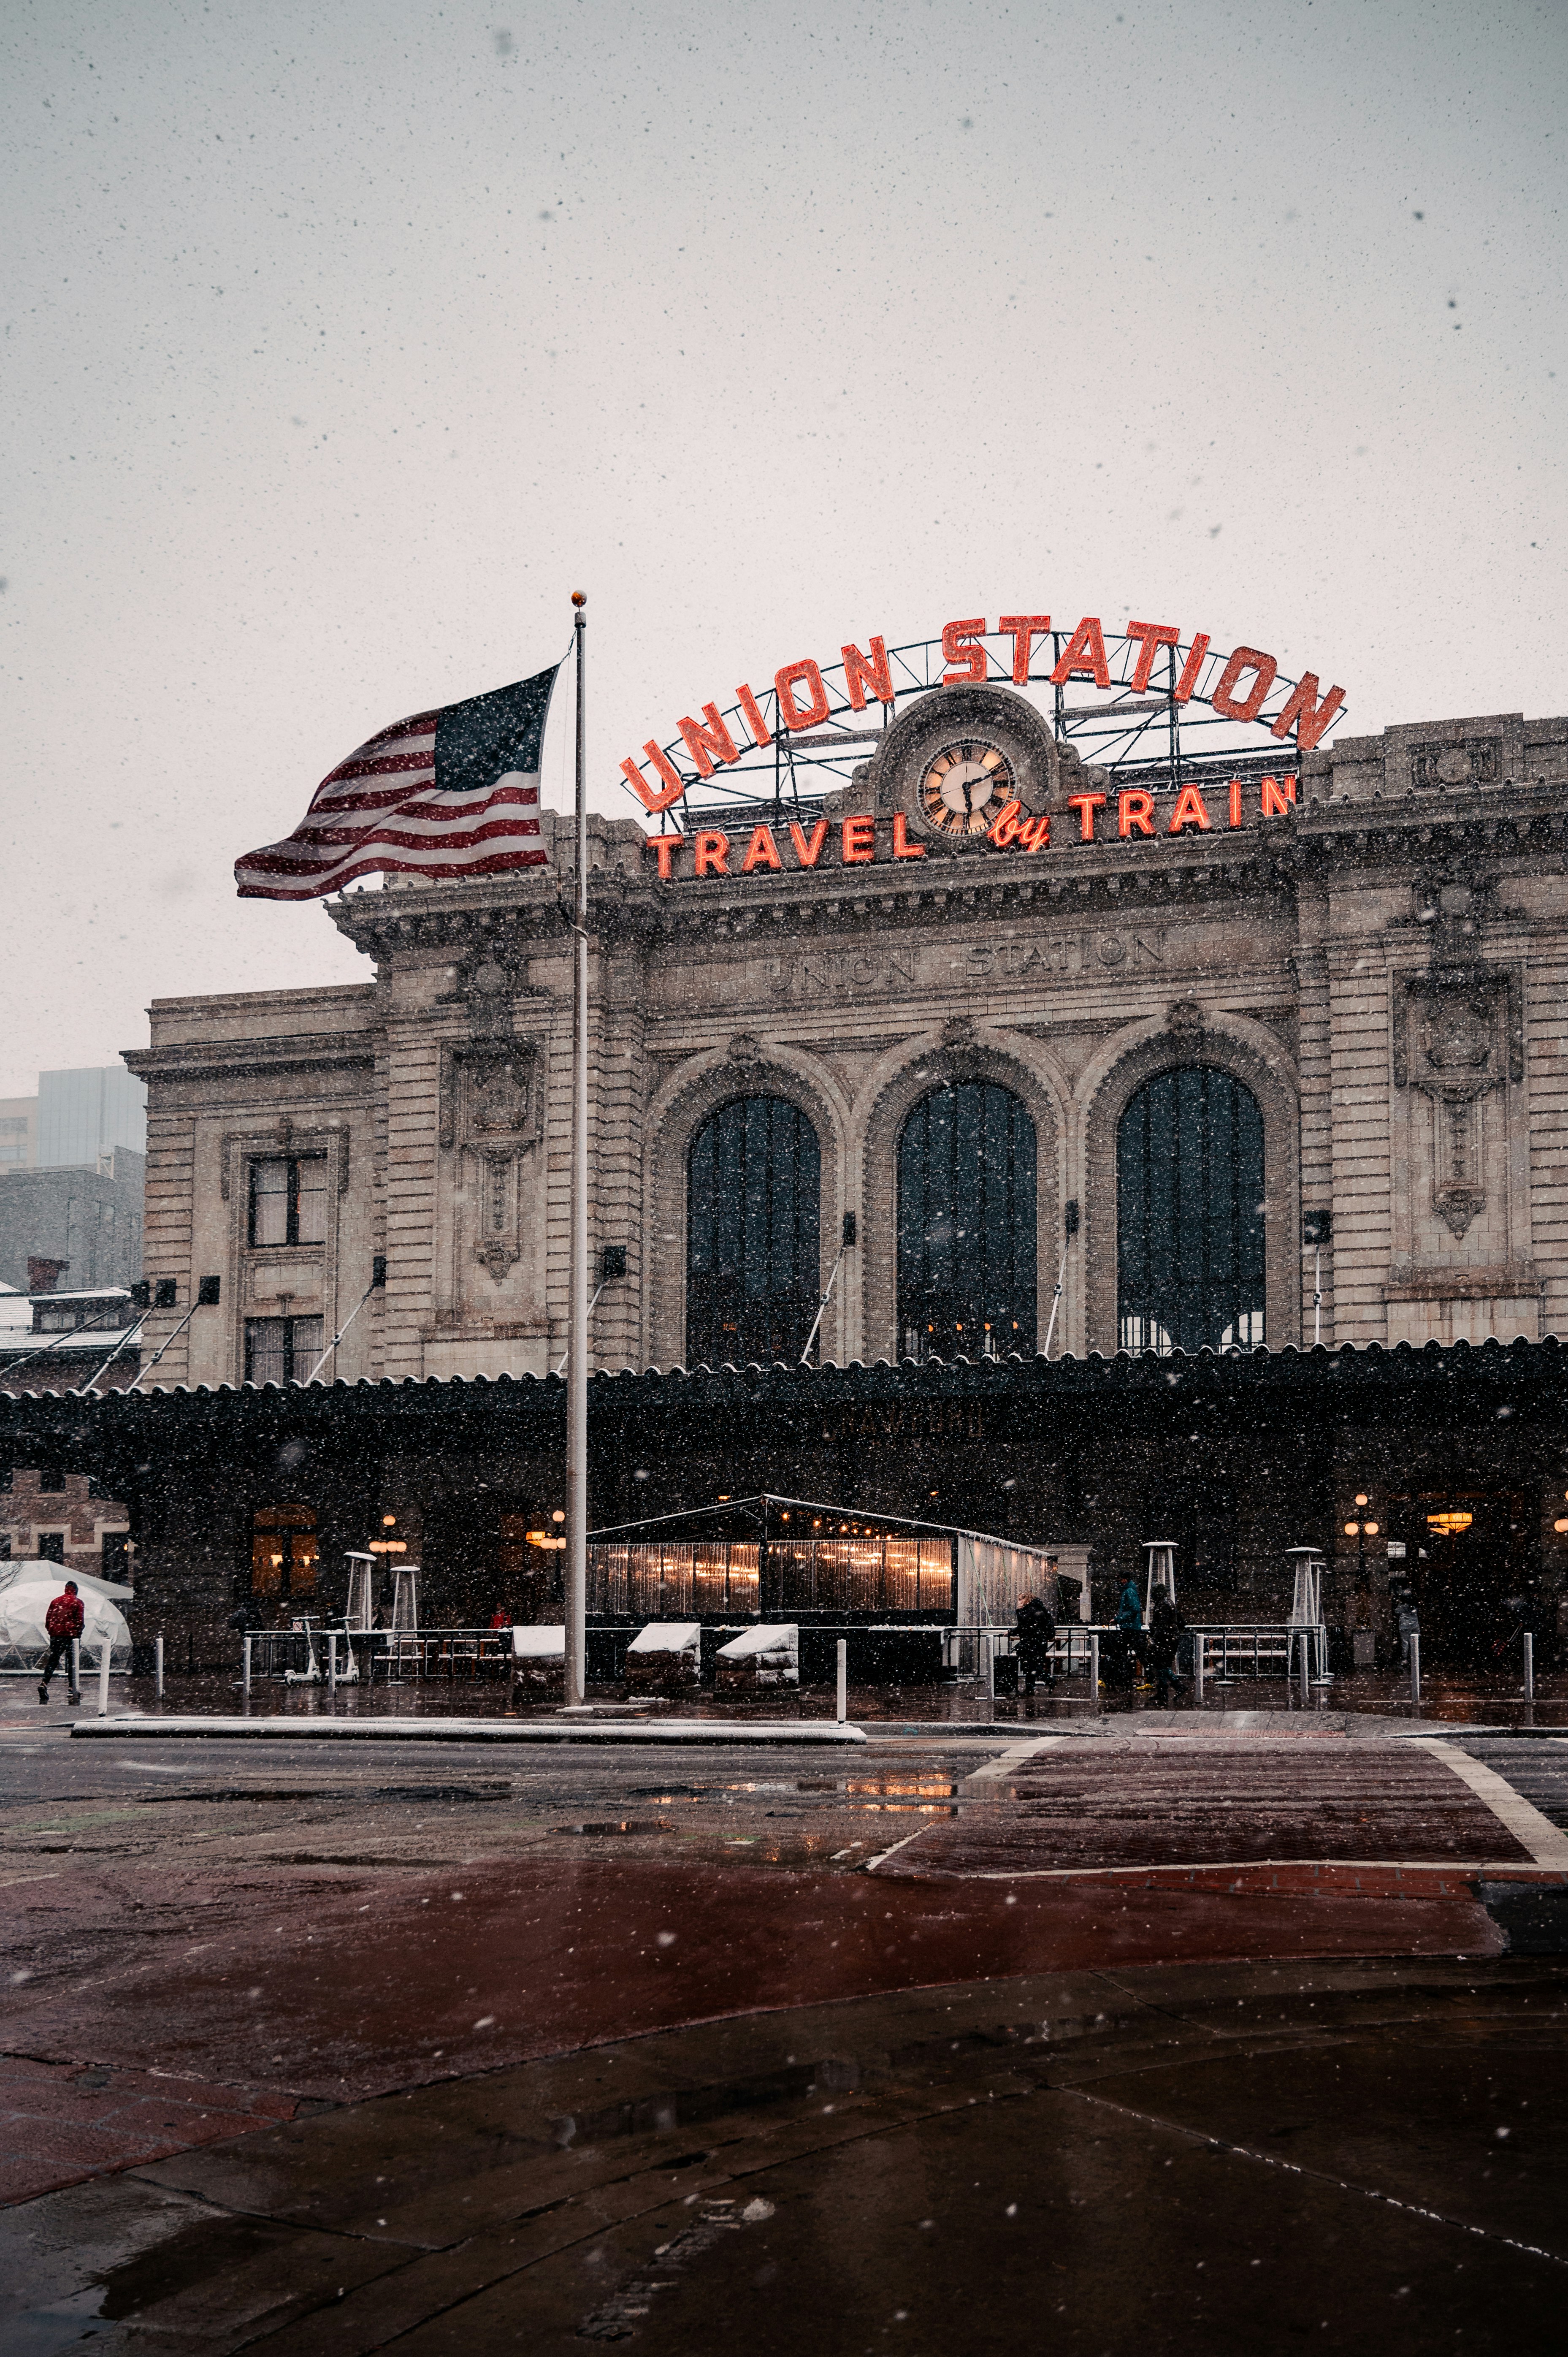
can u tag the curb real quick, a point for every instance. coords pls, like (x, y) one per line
(470, 1730)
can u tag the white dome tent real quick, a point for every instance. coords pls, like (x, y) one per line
(27, 1588)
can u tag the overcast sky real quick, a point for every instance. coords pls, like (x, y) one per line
(343, 342)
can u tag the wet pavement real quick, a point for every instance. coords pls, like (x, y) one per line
(1366, 2158)
(221, 1952)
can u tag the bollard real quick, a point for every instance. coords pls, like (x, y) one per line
(103, 1679)
(245, 1675)
(1305, 1666)
(1197, 1665)
(1094, 1669)
(158, 1667)
(332, 1661)
(76, 1669)
(1528, 1667)
(1415, 1671)
(988, 1655)
(843, 1680)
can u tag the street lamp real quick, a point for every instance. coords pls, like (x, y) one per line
(1361, 1531)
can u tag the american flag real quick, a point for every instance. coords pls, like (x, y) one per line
(447, 793)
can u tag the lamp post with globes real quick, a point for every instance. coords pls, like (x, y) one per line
(1361, 1530)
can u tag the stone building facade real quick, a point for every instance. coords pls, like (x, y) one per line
(1357, 960)
(59, 1516)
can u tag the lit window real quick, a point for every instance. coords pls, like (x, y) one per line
(284, 1551)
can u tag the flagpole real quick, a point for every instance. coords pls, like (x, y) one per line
(577, 1341)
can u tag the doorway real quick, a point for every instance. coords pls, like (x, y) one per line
(1469, 1558)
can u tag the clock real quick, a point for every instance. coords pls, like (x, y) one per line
(964, 785)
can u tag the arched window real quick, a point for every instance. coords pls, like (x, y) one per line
(966, 1225)
(1189, 1214)
(754, 1180)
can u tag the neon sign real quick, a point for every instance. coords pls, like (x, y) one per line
(862, 840)
(1149, 671)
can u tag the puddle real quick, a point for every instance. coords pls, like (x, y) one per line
(616, 1826)
(497, 1789)
(688, 2106)
(833, 2074)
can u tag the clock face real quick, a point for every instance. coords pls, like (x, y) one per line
(964, 786)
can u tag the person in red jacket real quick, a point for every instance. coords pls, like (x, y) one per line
(64, 1620)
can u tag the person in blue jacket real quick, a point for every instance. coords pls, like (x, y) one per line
(1130, 1630)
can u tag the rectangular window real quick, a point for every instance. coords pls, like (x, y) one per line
(288, 1199)
(116, 1562)
(51, 1546)
(285, 1553)
(51, 1478)
(282, 1350)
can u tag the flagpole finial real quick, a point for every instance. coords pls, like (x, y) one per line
(579, 596)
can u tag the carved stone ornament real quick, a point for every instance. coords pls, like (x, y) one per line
(491, 1092)
(491, 979)
(498, 1245)
(491, 1101)
(1457, 1036)
(1477, 761)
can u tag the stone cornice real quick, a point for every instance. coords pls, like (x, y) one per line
(528, 914)
(208, 1060)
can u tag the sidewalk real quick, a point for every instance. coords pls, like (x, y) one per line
(1469, 1702)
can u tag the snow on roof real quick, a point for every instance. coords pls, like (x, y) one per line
(76, 1337)
(88, 1292)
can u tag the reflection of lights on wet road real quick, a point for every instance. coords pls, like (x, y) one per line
(899, 1794)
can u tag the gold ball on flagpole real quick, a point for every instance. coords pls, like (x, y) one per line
(579, 596)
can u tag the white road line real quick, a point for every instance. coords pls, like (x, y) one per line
(896, 1847)
(1537, 1833)
(1494, 1867)
(1008, 1762)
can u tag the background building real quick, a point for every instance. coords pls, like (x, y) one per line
(83, 1221)
(82, 1115)
(72, 1177)
(18, 1131)
(77, 1117)
(55, 1343)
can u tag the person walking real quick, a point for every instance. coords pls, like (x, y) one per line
(1166, 1629)
(63, 1623)
(1036, 1635)
(1130, 1632)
